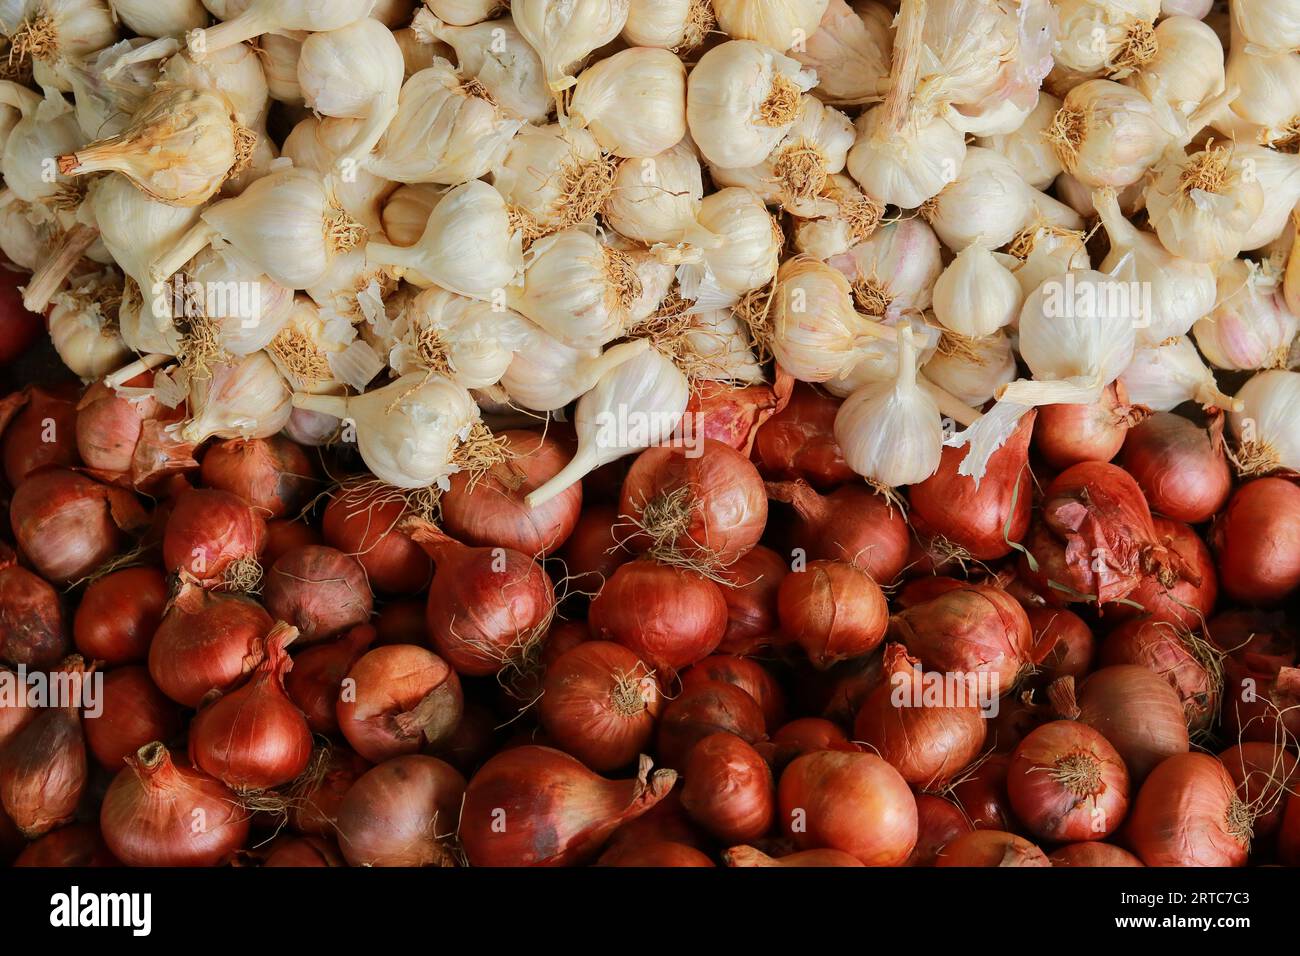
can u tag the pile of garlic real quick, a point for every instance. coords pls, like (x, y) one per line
(378, 220)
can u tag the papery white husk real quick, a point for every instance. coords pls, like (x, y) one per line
(317, 144)
(160, 18)
(657, 199)
(1279, 175)
(259, 17)
(976, 371)
(48, 129)
(845, 216)
(719, 344)
(1094, 34)
(1188, 66)
(1107, 134)
(878, 362)
(977, 294)
(1267, 25)
(907, 167)
(655, 276)
(565, 32)
(634, 102)
(1027, 149)
(61, 31)
(849, 51)
(475, 341)
(135, 227)
(245, 398)
(779, 24)
(1045, 251)
(83, 326)
(245, 309)
(307, 341)
(464, 12)
(742, 254)
(280, 53)
(110, 86)
(1251, 326)
(236, 73)
(1204, 225)
(1165, 375)
(553, 176)
(677, 25)
(1267, 104)
(1268, 427)
(895, 269)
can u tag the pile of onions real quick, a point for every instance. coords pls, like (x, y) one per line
(1180, 468)
(215, 537)
(274, 474)
(1188, 813)
(398, 699)
(319, 590)
(41, 432)
(1257, 540)
(1069, 434)
(798, 442)
(833, 610)
(118, 616)
(1067, 783)
(852, 524)
(284, 536)
(316, 681)
(750, 590)
(1185, 661)
(361, 520)
(133, 712)
(403, 812)
(991, 848)
(32, 631)
(206, 641)
(315, 808)
(747, 674)
(534, 806)
(728, 789)
(705, 708)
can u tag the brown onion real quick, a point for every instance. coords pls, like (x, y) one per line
(404, 812)
(1067, 783)
(982, 794)
(320, 591)
(750, 856)
(592, 553)
(666, 821)
(747, 674)
(939, 822)
(361, 520)
(852, 524)
(1188, 814)
(706, 708)
(302, 852)
(1065, 637)
(991, 848)
(1180, 467)
(15, 711)
(215, 538)
(131, 441)
(731, 414)
(1092, 854)
(1288, 838)
(750, 591)
(1185, 661)
(32, 631)
(118, 616)
(926, 588)
(1265, 775)
(1069, 434)
(284, 536)
(42, 432)
(1257, 540)
(399, 699)
(76, 845)
(474, 740)
(134, 712)
(833, 610)
(316, 680)
(728, 789)
(661, 854)
(1166, 596)
(798, 442)
(314, 808)
(274, 475)
(807, 734)
(206, 642)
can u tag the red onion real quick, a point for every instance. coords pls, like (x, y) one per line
(1166, 596)
(1265, 775)
(1065, 637)
(751, 587)
(318, 590)
(285, 536)
(302, 852)
(206, 642)
(1257, 539)
(592, 553)
(314, 808)
(749, 676)
(131, 441)
(15, 714)
(19, 328)
(991, 848)
(732, 414)
(42, 432)
(1069, 434)
(852, 524)
(926, 588)
(397, 700)
(750, 856)
(215, 538)
(728, 789)
(1180, 467)
(361, 520)
(982, 794)
(939, 822)
(798, 442)
(667, 821)
(133, 712)
(404, 812)
(1092, 854)
(1067, 783)
(76, 845)
(833, 610)
(118, 616)
(706, 708)
(1188, 814)
(32, 631)
(805, 735)
(402, 622)
(1288, 838)
(316, 680)
(837, 694)
(661, 854)
(274, 475)
(1185, 661)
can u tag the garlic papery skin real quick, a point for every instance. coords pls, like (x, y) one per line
(1044, 251)
(160, 18)
(715, 347)
(1266, 109)
(274, 16)
(1267, 427)
(845, 217)
(742, 98)
(109, 87)
(1106, 134)
(742, 254)
(245, 398)
(1198, 9)
(894, 270)
(226, 9)
(406, 212)
(779, 24)
(1278, 174)
(1267, 26)
(988, 203)
(1251, 326)
(545, 374)
(657, 199)
(1078, 197)
(977, 295)
(906, 165)
(973, 370)
(553, 177)
(445, 131)
(236, 73)
(577, 289)
(814, 332)
(1027, 148)
(1165, 375)
(134, 227)
(471, 216)
(637, 403)
(1202, 205)
(565, 32)
(145, 320)
(316, 144)
(52, 33)
(496, 54)
(1114, 37)
(354, 72)
(179, 147)
(25, 236)
(48, 129)
(655, 276)
(307, 341)
(1188, 66)
(677, 25)
(240, 308)
(849, 51)
(1181, 290)
(634, 102)
(464, 12)
(891, 433)
(878, 363)
(83, 326)
(467, 341)
(280, 53)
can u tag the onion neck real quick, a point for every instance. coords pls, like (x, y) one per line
(153, 767)
(433, 719)
(1063, 699)
(812, 506)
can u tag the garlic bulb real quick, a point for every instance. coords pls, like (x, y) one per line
(1114, 37)
(1107, 134)
(906, 162)
(891, 433)
(353, 72)
(236, 73)
(988, 203)
(657, 199)
(973, 369)
(577, 289)
(741, 100)
(497, 55)
(565, 32)
(1203, 205)
(245, 398)
(349, 277)
(715, 346)
(677, 25)
(83, 326)
(1199, 9)
(109, 87)
(160, 18)
(655, 276)
(1078, 197)
(1181, 290)
(179, 147)
(634, 102)
(226, 9)
(1268, 26)
(553, 177)
(1187, 68)
(472, 216)
(1267, 427)
(316, 144)
(1267, 103)
(1278, 174)
(779, 24)
(406, 212)
(814, 332)
(305, 345)
(878, 363)
(545, 374)
(976, 295)
(467, 341)
(743, 256)
(845, 217)
(1164, 375)
(48, 129)
(274, 16)
(134, 227)
(1291, 279)
(280, 53)
(849, 51)
(52, 33)
(230, 303)
(419, 50)
(25, 236)
(894, 270)
(1027, 148)
(445, 131)
(1251, 326)
(464, 12)
(636, 404)
(145, 321)
(1045, 251)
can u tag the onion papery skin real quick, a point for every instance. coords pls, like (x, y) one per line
(752, 585)
(32, 628)
(1172, 652)
(149, 813)
(731, 415)
(665, 821)
(728, 789)
(320, 591)
(939, 822)
(399, 699)
(76, 845)
(274, 475)
(206, 642)
(42, 432)
(854, 802)
(302, 852)
(1179, 467)
(284, 536)
(804, 735)
(488, 510)
(832, 610)
(402, 813)
(134, 713)
(1263, 773)
(706, 708)
(592, 553)
(1067, 783)
(661, 854)
(1167, 597)
(852, 524)
(747, 674)
(1069, 434)
(991, 848)
(315, 683)
(981, 519)
(982, 794)
(361, 520)
(315, 809)
(1257, 541)
(1067, 639)
(210, 533)
(1188, 814)
(119, 615)
(15, 714)
(555, 811)
(599, 703)
(751, 856)
(668, 616)
(798, 442)
(1288, 838)
(1092, 854)
(130, 442)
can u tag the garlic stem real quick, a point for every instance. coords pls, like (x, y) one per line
(189, 246)
(248, 25)
(584, 461)
(384, 254)
(138, 367)
(336, 405)
(906, 68)
(19, 97)
(1208, 394)
(367, 135)
(614, 357)
(949, 404)
(47, 280)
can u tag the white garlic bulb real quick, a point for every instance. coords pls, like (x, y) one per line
(280, 53)
(907, 161)
(565, 32)
(110, 85)
(1114, 37)
(25, 236)
(306, 344)
(316, 144)
(1045, 251)
(1267, 100)
(545, 374)
(717, 348)
(988, 203)
(235, 73)
(160, 18)
(1267, 427)
(814, 332)
(1278, 174)
(553, 177)
(741, 100)
(468, 341)
(1164, 375)
(464, 12)
(48, 129)
(1027, 148)
(1203, 205)
(849, 51)
(1107, 134)
(1268, 26)
(634, 102)
(746, 256)
(1251, 326)
(497, 55)
(973, 370)
(894, 270)
(242, 309)
(52, 33)
(845, 217)
(1187, 68)
(655, 276)
(779, 24)
(273, 16)
(878, 363)
(977, 295)
(657, 199)
(83, 326)
(134, 227)
(145, 320)
(245, 398)
(677, 25)
(406, 212)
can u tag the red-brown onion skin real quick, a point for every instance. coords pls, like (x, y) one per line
(402, 622)
(302, 852)
(134, 713)
(254, 738)
(489, 510)
(15, 714)
(989, 848)
(1014, 719)
(11, 841)
(1263, 773)
(1181, 815)
(982, 795)
(315, 809)
(1137, 711)
(1068, 638)
(750, 593)
(724, 503)
(76, 845)
(44, 432)
(118, 616)
(1068, 810)
(319, 590)
(109, 426)
(556, 811)
(666, 821)
(1069, 434)
(939, 822)
(807, 734)
(1177, 466)
(1257, 541)
(361, 520)
(729, 414)
(854, 802)
(206, 642)
(150, 812)
(402, 813)
(274, 474)
(661, 854)
(475, 739)
(926, 588)
(728, 789)
(750, 856)
(1288, 837)
(398, 700)
(927, 743)
(316, 680)
(707, 708)
(32, 628)
(852, 524)
(798, 442)
(832, 610)
(747, 674)
(1165, 650)
(592, 553)
(283, 536)
(599, 703)
(837, 694)
(668, 616)
(68, 525)
(210, 530)
(982, 519)
(1092, 854)
(1173, 599)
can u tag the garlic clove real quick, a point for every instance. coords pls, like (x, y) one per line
(565, 32)
(850, 53)
(976, 295)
